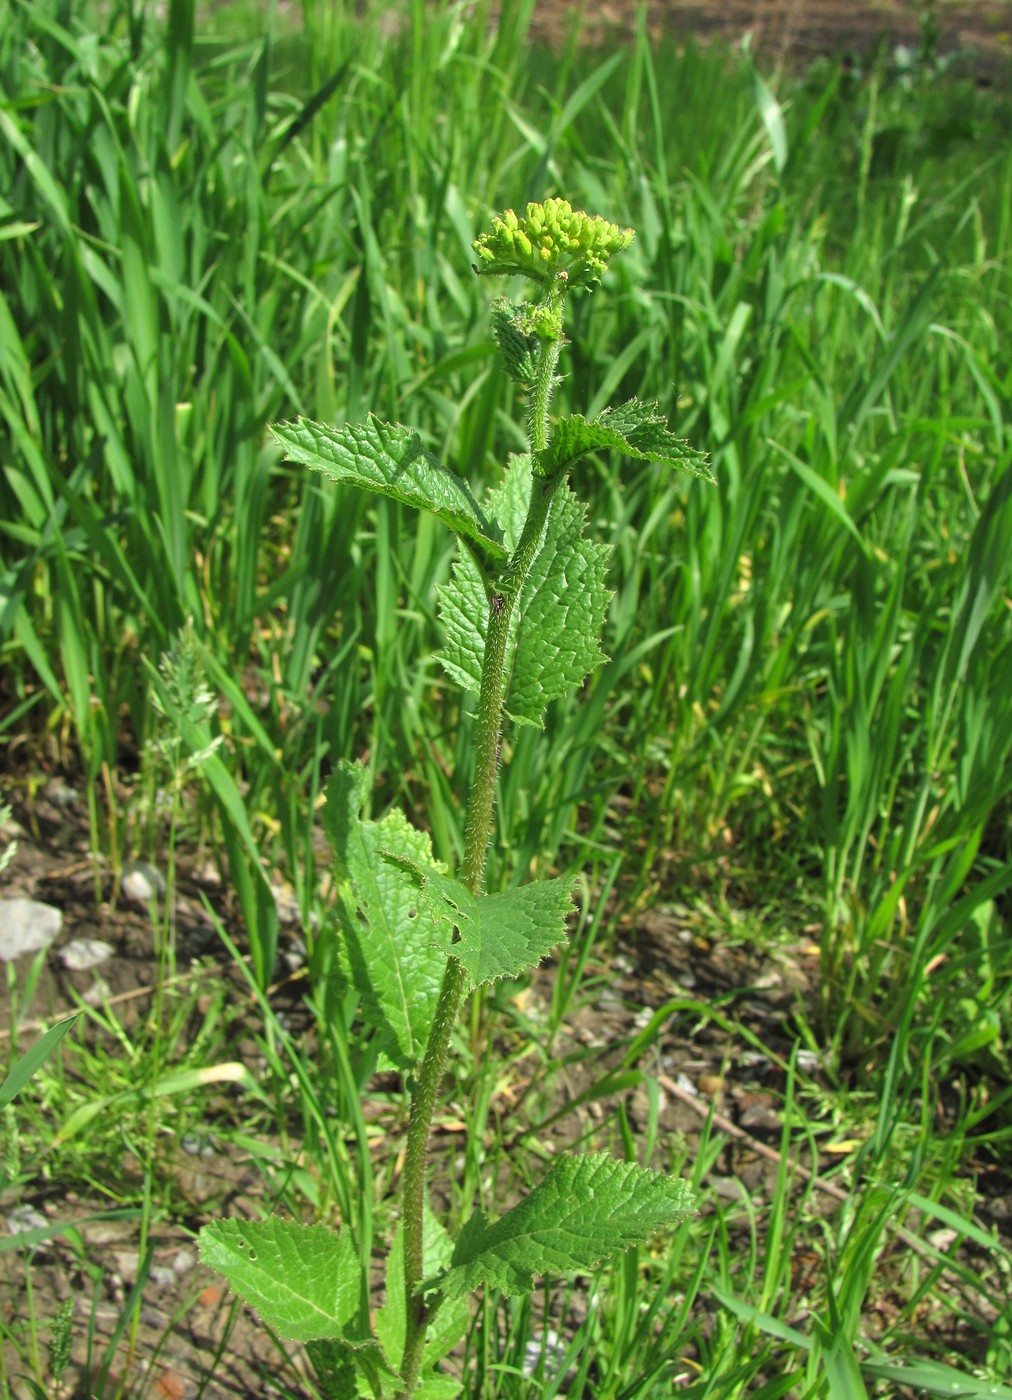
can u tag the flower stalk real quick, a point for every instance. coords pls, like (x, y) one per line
(502, 597)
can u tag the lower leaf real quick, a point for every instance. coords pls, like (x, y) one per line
(304, 1281)
(352, 1370)
(586, 1209)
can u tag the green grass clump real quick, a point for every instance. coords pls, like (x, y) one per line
(210, 222)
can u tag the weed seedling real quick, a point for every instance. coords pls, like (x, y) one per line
(522, 618)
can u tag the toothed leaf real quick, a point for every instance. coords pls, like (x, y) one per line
(392, 461)
(585, 1210)
(351, 1370)
(495, 935)
(636, 430)
(517, 342)
(556, 624)
(303, 1280)
(388, 950)
(515, 930)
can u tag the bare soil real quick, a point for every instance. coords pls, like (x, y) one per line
(976, 34)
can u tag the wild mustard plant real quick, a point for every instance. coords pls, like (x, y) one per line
(522, 618)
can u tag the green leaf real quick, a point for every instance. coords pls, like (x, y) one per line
(436, 1387)
(586, 1209)
(514, 930)
(387, 952)
(755, 1317)
(32, 1060)
(245, 865)
(556, 626)
(635, 429)
(350, 1370)
(826, 494)
(392, 461)
(498, 935)
(772, 115)
(18, 229)
(334, 1365)
(516, 338)
(561, 613)
(935, 1378)
(303, 1280)
(450, 1322)
(843, 1375)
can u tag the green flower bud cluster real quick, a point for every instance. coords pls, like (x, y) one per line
(553, 242)
(520, 329)
(540, 319)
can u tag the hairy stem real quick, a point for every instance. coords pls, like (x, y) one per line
(423, 1099)
(501, 601)
(544, 384)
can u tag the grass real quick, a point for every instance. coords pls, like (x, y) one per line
(208, 223)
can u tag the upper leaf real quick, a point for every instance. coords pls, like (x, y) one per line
(303, 1280)
(389, 950)
(519, 330)
(635, 429)
(497, 935)
(392, 461)
(586, 1209)
(515, 930)
(556, 624)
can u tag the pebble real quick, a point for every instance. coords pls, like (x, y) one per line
(127, 1263)
(85, 953)
(760, 1117)
(286, 902)
(59, 792)
(26, 925)
(184, 1262)
(23, 1218)
(142, 882)
(551, 1346)
(98, 993)
(197, 1145)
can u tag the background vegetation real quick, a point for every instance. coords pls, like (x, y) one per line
(803, 738)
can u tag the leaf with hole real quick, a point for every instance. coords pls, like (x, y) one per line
(305, 1281)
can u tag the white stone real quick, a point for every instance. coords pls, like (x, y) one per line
(84, 953)
(26, 925)
(142, 882)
